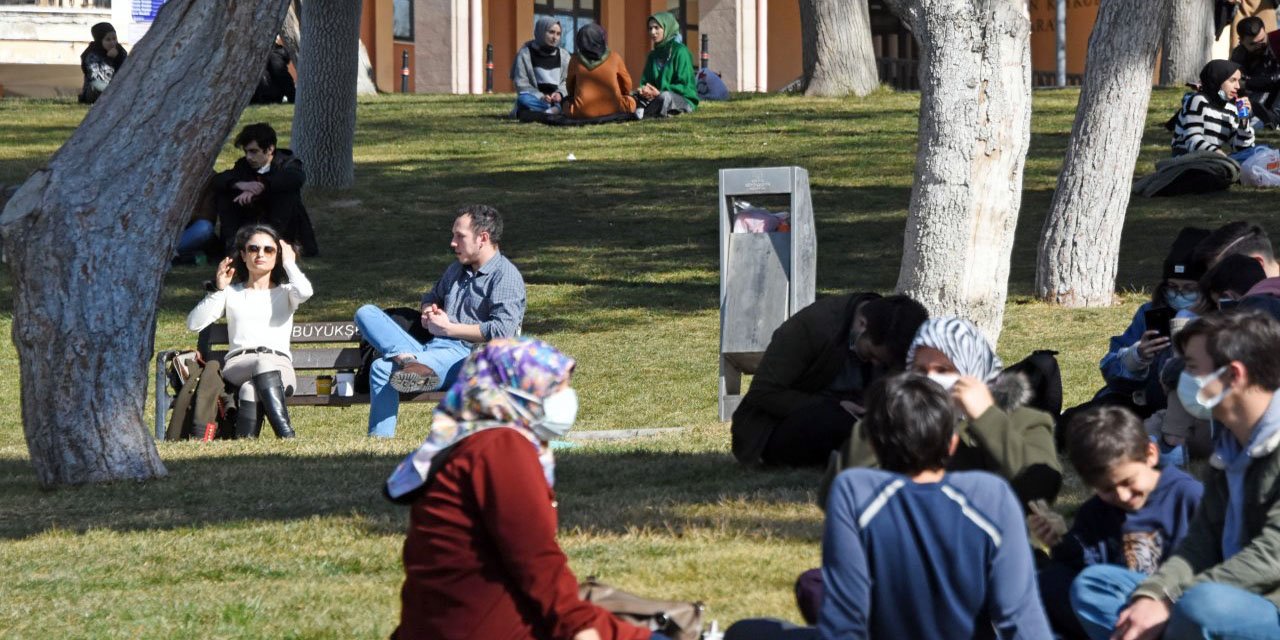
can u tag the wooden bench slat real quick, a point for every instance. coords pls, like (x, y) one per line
(313, 359)
(303, 332)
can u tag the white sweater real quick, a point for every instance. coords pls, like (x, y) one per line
(255, 317)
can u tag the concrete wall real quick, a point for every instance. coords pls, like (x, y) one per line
(786, 57)
(40, 35)
(434, 46)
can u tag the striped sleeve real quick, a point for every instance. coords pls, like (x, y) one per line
(1195, 132)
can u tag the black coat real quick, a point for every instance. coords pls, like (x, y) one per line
(280, 204)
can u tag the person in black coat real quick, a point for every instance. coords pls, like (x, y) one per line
(1261, 68)
(276, 84)
(100, 61)
(264, 187)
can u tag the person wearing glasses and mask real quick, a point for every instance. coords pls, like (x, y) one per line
(264, 187)
(257, 289)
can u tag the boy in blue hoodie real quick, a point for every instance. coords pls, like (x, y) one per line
(1138, 513)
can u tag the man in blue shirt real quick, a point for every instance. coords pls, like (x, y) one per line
(480, 297)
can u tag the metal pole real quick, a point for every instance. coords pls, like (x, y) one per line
(706, 55)
(404, 72)
(1060, 30)
(488, 69)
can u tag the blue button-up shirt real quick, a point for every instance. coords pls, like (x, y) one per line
(492, 296)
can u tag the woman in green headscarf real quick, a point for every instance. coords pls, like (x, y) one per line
(669, 85)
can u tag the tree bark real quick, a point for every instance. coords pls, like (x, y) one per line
(838, 58)
(975, 121)
(324, 120)
(1188, 40)
(291, 32)
(1080, 241)
(89, 237)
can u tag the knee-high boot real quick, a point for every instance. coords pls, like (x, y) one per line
(248, 420)
(270, 390)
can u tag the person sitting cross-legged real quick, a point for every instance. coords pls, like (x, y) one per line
(912, 550)
(1223, 581)
(480, 297)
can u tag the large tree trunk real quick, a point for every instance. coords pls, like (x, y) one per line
(1080, 242)
(89, 237)
(1188, 39)
(324, 120)
(975, 120)
(291, 32)
(838, 58)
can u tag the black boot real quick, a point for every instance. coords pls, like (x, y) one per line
(248, 420)
(271, 401)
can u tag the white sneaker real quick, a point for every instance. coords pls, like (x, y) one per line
(554, 110)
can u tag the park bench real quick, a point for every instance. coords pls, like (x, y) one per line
(314, 354)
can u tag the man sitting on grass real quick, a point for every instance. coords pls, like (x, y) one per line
(912, 550)
(1224, 579)
(480, 297)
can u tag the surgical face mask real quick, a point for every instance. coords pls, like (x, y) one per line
(1181, 301)
(1189, 392)
(559, 411)
(947, 380)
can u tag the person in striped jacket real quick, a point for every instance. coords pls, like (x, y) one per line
(1208, 119)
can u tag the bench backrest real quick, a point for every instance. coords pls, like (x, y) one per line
(213, 343)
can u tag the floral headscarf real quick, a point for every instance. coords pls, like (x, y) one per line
(499, 386)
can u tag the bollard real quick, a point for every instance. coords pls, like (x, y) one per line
(404, 72)
(488, 68)
(706, 56)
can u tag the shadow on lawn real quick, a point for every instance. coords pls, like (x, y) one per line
(599, 492)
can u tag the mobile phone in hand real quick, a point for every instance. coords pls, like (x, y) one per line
(1158, 320)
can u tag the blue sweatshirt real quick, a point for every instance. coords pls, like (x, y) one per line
(1106, 534)
(1115, 365)
(938, 560)
(1235, 460)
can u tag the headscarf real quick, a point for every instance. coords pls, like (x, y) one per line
(499, 386)
(540, 28)
(1213, 75)
(100, 31)
(591, 45)
(670, 27)
(962, 343)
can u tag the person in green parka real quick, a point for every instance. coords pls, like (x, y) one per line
(669, 85)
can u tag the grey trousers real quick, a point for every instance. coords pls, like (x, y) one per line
(666, 104)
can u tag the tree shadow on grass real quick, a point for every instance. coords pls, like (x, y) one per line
(605, 492)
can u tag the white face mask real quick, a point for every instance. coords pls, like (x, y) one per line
(1189, 392)
(947, 380)
(559, 411)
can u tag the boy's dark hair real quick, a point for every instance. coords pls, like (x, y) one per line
(1240, 237)
(1247, 336)
(261, 133)
(1249, 27)
(1235, 272)
(484, 218)
(909, 422)
(892, 322)
(1100, 438)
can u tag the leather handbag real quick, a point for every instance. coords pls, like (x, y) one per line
(675, 619)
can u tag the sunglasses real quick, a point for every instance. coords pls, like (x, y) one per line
(253, 248)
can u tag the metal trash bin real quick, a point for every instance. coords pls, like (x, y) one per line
(765, 277)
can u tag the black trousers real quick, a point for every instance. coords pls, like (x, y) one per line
(807, 437)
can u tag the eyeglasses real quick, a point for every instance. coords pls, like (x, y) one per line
(1185, 289)
(253, 248)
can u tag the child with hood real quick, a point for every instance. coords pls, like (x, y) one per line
(100, 61)
(540, 70)
(599, 84)
(669, 85)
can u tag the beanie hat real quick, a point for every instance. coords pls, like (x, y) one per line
(1179, 263)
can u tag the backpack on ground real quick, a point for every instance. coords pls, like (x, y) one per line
(1042, 371)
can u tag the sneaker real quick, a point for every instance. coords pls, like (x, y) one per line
(554, 110)
(414, 377)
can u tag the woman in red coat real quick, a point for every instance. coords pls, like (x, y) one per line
(481, 559)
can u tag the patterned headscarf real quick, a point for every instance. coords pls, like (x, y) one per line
(499, 386)
(963, 345)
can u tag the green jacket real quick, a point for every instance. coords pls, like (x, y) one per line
(804, 355)
(669, 66)
(1010, 440)
(1256, 568)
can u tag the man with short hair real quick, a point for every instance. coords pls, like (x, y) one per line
(1260, 67)
(264, 187)
(1224, 579)
(480, 297)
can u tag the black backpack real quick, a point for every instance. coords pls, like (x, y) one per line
(1042, 371)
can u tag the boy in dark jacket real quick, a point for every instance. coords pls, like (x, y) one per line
(1261, 68)
(1138, 513)
(264, 187)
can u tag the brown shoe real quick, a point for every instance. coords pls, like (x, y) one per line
(414, 377)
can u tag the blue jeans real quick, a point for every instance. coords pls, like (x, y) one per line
(531, 102)
(1205, 611)
(195, 236)
(444, 355)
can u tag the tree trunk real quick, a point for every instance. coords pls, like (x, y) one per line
(838, 58)
(291, 32)
(365, 85)
(324, 120)
(975, 121)
(1188, 40)
(1080, 242)
(89, 237)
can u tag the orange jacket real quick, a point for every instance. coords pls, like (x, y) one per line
(602, 91)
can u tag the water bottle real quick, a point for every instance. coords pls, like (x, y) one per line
(1242, 109)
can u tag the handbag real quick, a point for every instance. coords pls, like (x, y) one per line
(675, 619)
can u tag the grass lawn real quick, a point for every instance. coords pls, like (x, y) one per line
(271, 539)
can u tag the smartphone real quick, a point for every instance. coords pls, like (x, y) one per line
(1158, 320)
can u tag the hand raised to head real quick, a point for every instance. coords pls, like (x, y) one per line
(225, 272)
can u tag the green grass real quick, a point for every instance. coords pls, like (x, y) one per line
(270, 539)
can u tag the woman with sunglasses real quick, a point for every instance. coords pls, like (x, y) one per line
(258, 289)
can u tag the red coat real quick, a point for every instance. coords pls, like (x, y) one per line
(481, 560)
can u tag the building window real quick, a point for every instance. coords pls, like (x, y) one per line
(683, 11)
(571, 14)
(402, 19)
